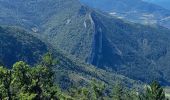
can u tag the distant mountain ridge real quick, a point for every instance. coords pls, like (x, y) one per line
(163, 3)
(137, 11)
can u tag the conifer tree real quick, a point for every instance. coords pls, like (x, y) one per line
(118, 92)
(155, 92)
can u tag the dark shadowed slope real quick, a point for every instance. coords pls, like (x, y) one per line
(16, 45)
(140, 52)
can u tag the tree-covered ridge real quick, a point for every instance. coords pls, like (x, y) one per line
(24, 82)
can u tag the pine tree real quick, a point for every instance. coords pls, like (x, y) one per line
(155, 92)
(118, 92)
(5, 83)
(24, 82)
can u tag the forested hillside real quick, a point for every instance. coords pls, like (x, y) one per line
(19, 45)
(138, 51)
(84, 50)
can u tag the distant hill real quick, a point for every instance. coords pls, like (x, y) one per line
(163, 3)
(137, 11)
(137, 51)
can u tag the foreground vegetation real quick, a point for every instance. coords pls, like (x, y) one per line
(24, 82)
